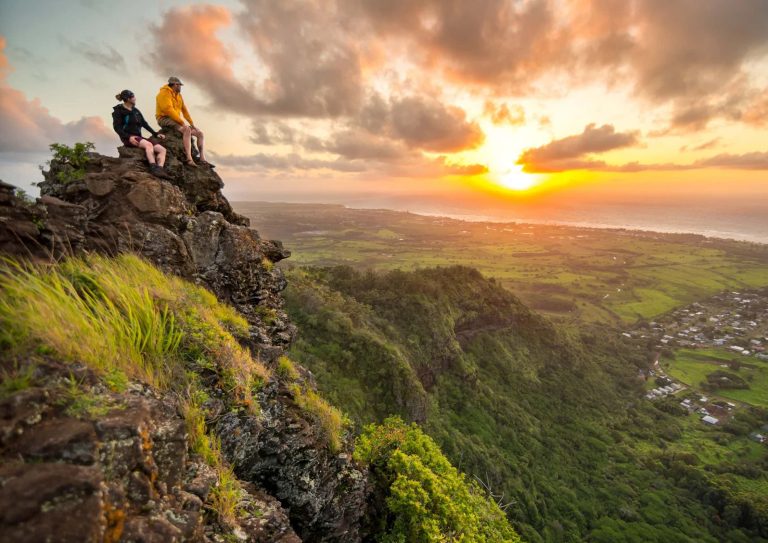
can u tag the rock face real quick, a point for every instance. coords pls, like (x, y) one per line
(126, 475)
(279, 451)
(123, 475)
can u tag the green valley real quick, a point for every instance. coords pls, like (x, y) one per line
(573, 274)
(504, 343)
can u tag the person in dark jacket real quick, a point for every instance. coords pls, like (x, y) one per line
(128, 121)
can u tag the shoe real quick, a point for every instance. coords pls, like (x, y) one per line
(157, 171)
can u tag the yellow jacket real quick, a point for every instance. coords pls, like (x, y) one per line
(171, 104)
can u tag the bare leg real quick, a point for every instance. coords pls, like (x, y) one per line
(144, 144)
(200, 145)
(160, 150)
(186, 133)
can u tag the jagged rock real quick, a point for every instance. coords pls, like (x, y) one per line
(39, 501)
(325, 493)
(184, 225)
(124, 476)
(139, 483)
(20, 223)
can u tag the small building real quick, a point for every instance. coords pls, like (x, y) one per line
(709, 419)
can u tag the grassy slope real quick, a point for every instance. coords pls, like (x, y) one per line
(126, 320)
(539, 416)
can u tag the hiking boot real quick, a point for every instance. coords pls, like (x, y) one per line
(157, 171)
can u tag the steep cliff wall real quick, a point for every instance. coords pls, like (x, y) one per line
(128, 475)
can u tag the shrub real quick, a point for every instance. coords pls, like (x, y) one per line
(427, 499)
(70, 160)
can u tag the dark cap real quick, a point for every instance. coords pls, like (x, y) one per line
(125, 95)
(173, 79)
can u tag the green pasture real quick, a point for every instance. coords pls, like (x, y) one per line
(692, 367)
(700, 439)
(655, 272)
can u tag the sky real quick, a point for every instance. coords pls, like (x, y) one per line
(470, 103)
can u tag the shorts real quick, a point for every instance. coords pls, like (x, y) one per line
(167, 122)
(127, 141)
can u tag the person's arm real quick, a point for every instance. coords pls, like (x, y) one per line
(165, 106)
(186, 113)
(118, 123)
(145, 126)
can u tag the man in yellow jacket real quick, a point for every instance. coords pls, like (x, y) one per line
(170, 108)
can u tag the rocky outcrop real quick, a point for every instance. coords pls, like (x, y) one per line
(115, 470)
(184, 225)
(279, 451)
(126, 474)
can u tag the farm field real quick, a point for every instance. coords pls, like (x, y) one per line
(692, 367)
(571, 274)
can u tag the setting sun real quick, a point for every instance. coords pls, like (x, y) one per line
(516, 179)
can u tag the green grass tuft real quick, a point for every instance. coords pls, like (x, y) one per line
(19, 378)
(286, 369)
(332, 421)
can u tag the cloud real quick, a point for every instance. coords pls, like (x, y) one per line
(567, 153)
(272, 133)
(29, 127)
(186, 45)
(102, 55)
(486, 42)
(502, 114)
(695, 47)
(428, 124)
(702, 146)
(692, 54)
(287, 162)
(411, 166)
(756, 111)
(312, 59)
(747, 161)
(359, 144)
(667, 52)
(309, 68)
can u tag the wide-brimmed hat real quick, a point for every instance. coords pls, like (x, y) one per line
(173, 79)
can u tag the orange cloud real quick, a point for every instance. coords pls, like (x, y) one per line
(502, 114)
(569, 153)
(28, 126)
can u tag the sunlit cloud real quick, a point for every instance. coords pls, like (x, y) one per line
(569, 153)
(28, 126)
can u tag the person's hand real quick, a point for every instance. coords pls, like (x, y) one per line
(134, 140)
(161, 136)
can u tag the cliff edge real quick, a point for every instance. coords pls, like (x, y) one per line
(127, 472)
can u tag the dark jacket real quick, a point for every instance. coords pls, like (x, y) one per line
(129, 122)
